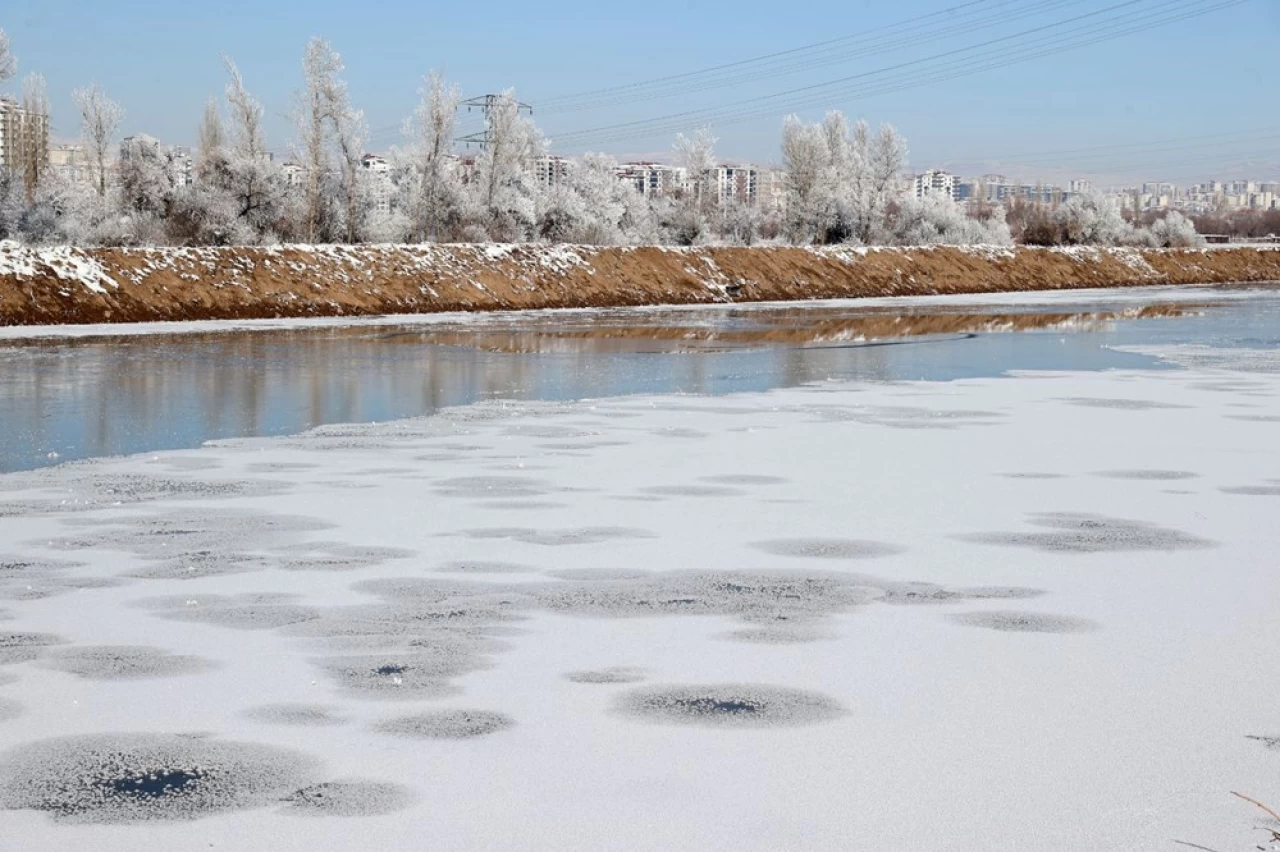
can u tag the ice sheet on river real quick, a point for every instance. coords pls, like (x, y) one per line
(972, 615)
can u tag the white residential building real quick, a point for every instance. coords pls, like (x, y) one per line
(381, 187)
(551, 170)
(653, 179)
(935, 181)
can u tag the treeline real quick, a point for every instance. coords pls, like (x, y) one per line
(1240, 224)
(842, 185)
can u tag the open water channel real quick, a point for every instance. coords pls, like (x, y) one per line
(101, 394)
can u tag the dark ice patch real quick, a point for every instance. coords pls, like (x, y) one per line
(1121, 404)
(240, 612)
(729, 706)
(182, 532)
(1156, 475)
(614, 674)
(559, 537)
(447, 725)
(281, 467)
(124, 662)
(693, 491)
(49, 587)
(1253, 490)
(133, 778)
(915, 594)
(783, 633)
(198, 564)
(476, 566)
(407, 677)
(743, 479)
(24, 647)
(349, 798)
(1025, 622)
(828, 548)
(1085, 533)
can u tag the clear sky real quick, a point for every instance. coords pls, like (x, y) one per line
(1192, 99)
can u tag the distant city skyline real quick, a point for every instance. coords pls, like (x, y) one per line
(1180, 102)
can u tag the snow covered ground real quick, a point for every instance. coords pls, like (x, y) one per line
(1027, 613)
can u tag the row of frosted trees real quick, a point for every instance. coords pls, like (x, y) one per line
(842, 183)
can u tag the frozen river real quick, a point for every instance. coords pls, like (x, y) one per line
(64, 398)
(987, 575)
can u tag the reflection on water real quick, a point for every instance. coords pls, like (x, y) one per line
(790, 326)
(87, 397)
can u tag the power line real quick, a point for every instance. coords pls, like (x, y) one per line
(1047, 44)
(943, 70)
(768, 68)
(756, 59)
(1068, 151)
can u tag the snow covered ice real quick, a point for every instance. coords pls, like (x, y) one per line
(1023, 613)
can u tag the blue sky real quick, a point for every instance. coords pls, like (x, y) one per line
(1160, 91)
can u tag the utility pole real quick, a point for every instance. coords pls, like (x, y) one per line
(486, 104)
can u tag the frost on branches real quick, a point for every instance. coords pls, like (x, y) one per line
(841, 184)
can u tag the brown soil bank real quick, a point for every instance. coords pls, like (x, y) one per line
(64, 285)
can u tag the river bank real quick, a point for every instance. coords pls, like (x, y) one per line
(62, 285)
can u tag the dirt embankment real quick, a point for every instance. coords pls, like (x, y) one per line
(63, 285)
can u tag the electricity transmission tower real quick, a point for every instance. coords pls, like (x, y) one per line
(486, 104)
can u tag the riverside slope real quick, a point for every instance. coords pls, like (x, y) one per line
(63, 285)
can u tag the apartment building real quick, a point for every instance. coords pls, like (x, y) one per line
(381, 187)
(653, 179)
(551, 170)
(734, 182)
(935, 181)
(71, 164)
(24, 137)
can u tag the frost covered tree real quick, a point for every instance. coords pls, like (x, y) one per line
(591, 206)
(8, 62)
(147, 178)
(805, 156)
(252, 180)
(504, 188)
(684, 219)
(210, 138)
(1174, 231)
(739, 221)
(936, 219)
(1092, 219)
(238, 196)
(313, 119)
(866, 173)
(839, 181)
(100, 119)
(696, 154)
(350, 132)
(433, 193)
(329, 129)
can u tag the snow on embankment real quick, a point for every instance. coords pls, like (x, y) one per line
(66, 285)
